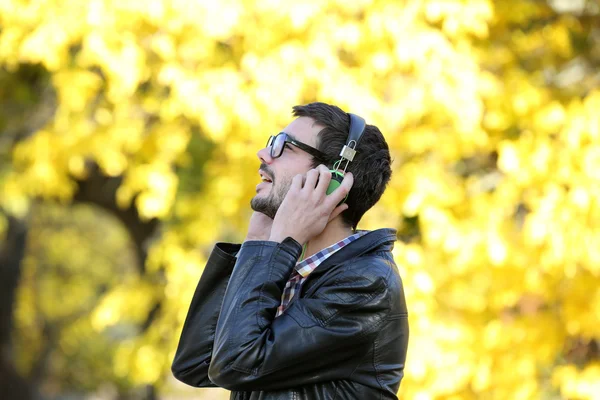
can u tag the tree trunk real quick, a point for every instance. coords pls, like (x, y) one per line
(12, 385)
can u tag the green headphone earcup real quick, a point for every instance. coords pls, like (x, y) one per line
(336, 180)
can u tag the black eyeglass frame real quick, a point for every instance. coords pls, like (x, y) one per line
(287, 139)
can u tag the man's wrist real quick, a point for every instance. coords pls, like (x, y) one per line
(280, 237)
(277, 238)
(249, 238)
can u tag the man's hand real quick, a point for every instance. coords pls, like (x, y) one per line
(259, 227)
(307, 208)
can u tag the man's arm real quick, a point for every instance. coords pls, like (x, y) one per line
(316, 339)
(195, 345)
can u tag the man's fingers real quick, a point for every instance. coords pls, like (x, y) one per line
(324, 179)
(311, 179)
(337, 211)
(297, 182)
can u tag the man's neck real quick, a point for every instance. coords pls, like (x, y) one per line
(333, 233)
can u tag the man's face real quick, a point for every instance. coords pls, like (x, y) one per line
(281, 170)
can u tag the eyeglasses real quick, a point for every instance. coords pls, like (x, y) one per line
(277, 143)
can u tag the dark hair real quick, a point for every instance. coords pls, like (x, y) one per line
(371, 165)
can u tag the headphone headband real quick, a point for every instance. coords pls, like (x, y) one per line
(357, 128)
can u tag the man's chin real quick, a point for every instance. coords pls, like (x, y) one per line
(262, 205)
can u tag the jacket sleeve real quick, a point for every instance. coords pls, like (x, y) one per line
(194, 351)
(317, 339)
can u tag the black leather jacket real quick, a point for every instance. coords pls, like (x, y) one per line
(344, 336)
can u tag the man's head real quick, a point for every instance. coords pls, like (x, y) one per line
(325, 128)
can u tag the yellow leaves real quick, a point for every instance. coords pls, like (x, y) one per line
(142, 362)
(220, 20)
(381, 62)
(444, 227)
(348, 35)
(264, 74)
(436, 352)
(557, 36)
(164, 46)
(519, 12)
(493, 334)
(514, 350)
(591, 104)
(39, 49)
(45, 30)
(112, 162)
(497, 249)
(9, 44)
(418, 282)
(422, 185)
(42, 167)
(429, 53)
(460, 17)
(155, 10)
(537, 157)
(423, 282)
(207, 98)
(526, 97)
(135, 79)
(147, 361)
(119, 57)
(130, 302)
(591, 162)
(14, 198)
(482, 376)
(154, 185)
(301, 13)
(559, 174)
(76, 88)
(561, 230)
(550, 118)
(581, 305)
(581, 384)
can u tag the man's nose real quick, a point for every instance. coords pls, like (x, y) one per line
(264, 155)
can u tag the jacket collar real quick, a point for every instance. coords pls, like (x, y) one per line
(380, 239)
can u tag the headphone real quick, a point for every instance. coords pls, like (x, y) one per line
(357, 128)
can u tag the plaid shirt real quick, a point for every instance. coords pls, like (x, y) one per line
(305, 267)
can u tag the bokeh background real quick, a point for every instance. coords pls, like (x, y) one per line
(128, 139)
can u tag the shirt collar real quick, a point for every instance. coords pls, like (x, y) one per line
(306, 266)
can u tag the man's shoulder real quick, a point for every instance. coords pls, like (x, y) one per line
(366, 269)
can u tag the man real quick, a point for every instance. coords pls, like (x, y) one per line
(268, 323)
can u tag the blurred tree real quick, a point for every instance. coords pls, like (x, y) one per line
(153, 112)
(11, 253)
